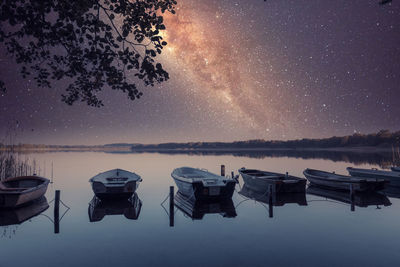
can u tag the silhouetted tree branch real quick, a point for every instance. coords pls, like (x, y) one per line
(92, 43)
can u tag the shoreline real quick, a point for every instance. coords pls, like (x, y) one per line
(126, 149)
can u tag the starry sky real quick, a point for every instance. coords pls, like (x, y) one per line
(239, 69)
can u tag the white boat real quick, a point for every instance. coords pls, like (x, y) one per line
(202, 184)
(115, 183)
(392, 176)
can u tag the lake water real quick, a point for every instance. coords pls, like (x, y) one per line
(325, 232)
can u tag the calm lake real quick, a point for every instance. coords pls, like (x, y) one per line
(321, 232)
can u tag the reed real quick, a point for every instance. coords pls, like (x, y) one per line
(12, 165)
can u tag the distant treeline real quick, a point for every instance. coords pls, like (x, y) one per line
(384, 138)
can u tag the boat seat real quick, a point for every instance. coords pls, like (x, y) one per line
(271, 176)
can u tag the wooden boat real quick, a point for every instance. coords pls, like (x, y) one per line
(115, 183)
(278, 199)
(99, 208)
(15, 192)
(201, 184)
(395, 169)
(261, 180)
(392, 176)
(360, 199)
(23, 213)
(197, 209)
(342, 182)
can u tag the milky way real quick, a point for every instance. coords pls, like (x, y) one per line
(243, 69)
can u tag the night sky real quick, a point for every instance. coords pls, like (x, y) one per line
(239, 70)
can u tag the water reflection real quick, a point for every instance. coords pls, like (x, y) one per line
(359, 199)
(196, 209)
(392, 191)
(273, 199)
(382, 158)
(24, 213)
(130, 208)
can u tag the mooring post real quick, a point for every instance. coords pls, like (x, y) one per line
(222, 170)
(171, 206)
(270, 202)
(352, 197)
(57, 212)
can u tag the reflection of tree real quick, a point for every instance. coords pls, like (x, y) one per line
(383, 159)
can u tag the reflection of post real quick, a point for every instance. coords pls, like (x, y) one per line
(352, 197)
(222, 170)
(171, 206)
(57, 212)
(270, 202)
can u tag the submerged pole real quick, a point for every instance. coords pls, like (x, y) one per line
(352, 197)
(171, 206)
(57, 212)
(222, 170)
(270, 202)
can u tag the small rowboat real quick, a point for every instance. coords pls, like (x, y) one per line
(115, 183)
(201, 184)
(392, 176)
(342, 182)
(15, 192)
(261, 181)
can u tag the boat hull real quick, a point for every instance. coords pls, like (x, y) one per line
(278, 186)
(393, 177)
(198, 191)
(360, 186)
(124, 191)
(16, 199)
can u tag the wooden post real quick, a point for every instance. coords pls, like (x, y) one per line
(270, 202)
(222, 170)
(57, 212)
(352, 197)
(171, 206)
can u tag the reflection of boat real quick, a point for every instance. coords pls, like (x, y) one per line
(196, 209)
(391, 191)
(342, 182)
(360, 199)
(278, 199)
(261, 180)
(24, 213)
(391, 176)
(99, 208)
(396, 169)
(21, 190)
(201, 184)
(115, 183)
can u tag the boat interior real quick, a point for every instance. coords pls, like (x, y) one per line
(20, 184)
(266, 175)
